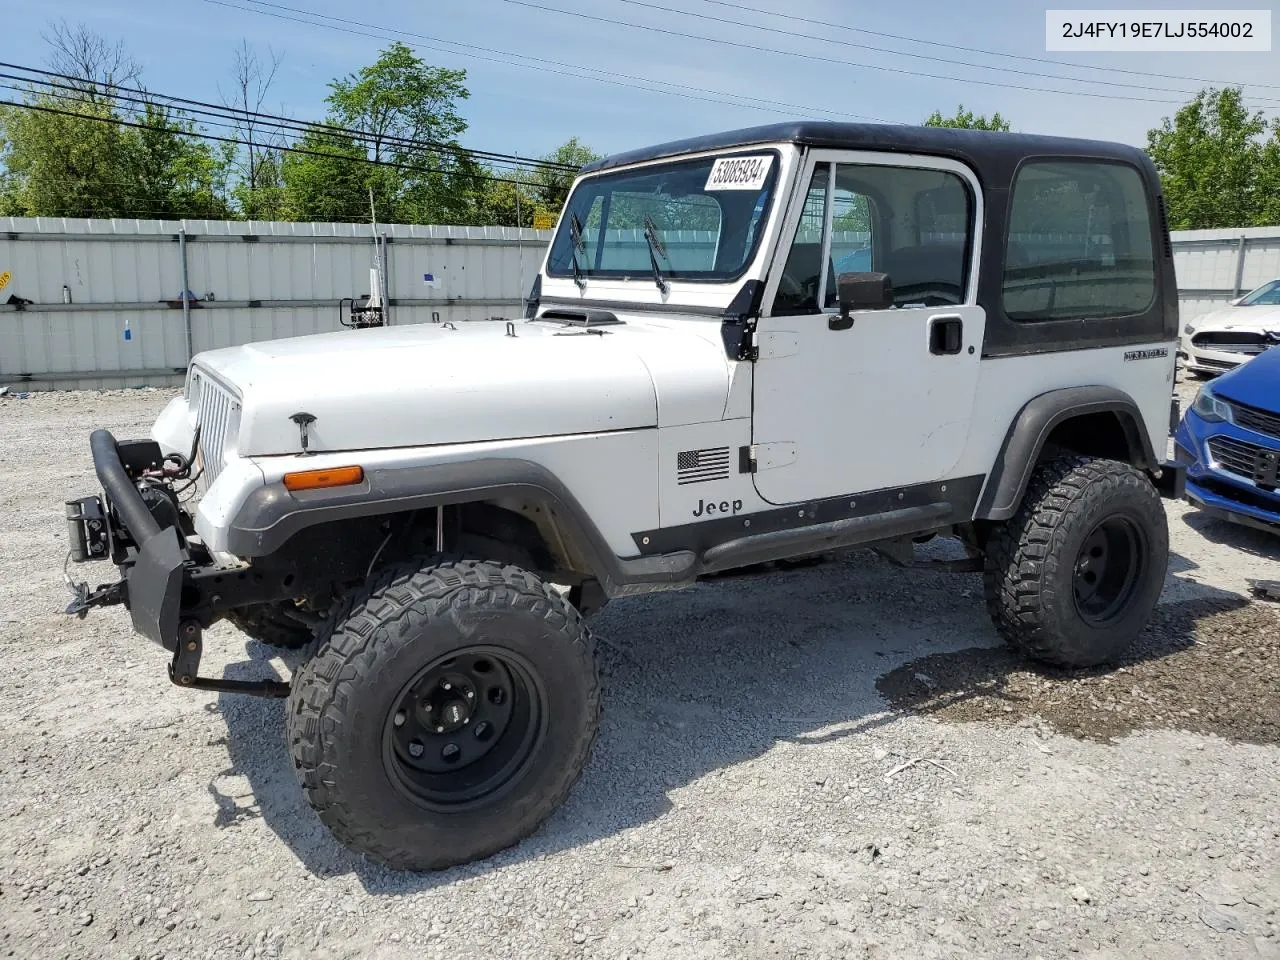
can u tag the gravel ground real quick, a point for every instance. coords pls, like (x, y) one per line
(838, 762)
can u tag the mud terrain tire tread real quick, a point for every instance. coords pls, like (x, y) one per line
(1028, 572)
(381, 619)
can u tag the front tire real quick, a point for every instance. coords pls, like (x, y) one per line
(447, 715)
(1071, 579)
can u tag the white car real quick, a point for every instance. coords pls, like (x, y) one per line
(431, 510)
(1223, 339)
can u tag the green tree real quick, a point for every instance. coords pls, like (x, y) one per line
(175, 174)
(404, 114)
(551, 186)
(1215, 166)
(67, 153)
(327, 182)
(1268, 213)
(968, 120)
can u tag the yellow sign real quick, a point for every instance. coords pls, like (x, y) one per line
(4, 279)
(543, 220)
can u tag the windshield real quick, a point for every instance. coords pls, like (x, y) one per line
(1267, 295)
(697, 220)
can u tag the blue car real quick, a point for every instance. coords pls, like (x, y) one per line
(1230, 442)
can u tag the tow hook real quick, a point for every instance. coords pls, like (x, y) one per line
(85, 599)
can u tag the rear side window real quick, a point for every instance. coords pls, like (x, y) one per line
(1079, 243)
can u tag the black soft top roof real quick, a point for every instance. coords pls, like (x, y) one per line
(992, 154)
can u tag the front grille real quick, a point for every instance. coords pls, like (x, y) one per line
(1258, 420)
(1217, 364)
(1235, 456)
(1231, 341)
(1250, 498)
(217, 406)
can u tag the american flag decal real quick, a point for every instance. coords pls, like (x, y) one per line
(701, 466)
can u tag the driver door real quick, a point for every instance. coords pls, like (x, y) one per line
(884, 401)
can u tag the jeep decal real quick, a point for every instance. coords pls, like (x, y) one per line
(707, 508)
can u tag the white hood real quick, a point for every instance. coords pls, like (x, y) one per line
(1259, 319)
(431, 384)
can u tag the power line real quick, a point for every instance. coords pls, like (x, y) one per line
(990, 53)
(817, 58)
(505, 57)
(284, 149)
(931, 57)
(266, 123)
(243, 116)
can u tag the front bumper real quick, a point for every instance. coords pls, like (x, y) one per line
(1200, 360)
(151, 558)
(1219, 491)
(162, 582)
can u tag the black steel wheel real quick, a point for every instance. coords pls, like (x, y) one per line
(1108, 569)
(465, 727)
(1071, 579)
(447, 714)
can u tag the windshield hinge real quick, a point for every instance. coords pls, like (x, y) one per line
(746, 459)
(738, 329)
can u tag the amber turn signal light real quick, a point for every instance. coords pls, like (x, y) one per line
(320, 479)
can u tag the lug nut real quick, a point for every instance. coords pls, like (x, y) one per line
(447, 685)
(399, 720)
(415, 749)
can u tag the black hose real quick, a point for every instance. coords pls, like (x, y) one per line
(124, 496)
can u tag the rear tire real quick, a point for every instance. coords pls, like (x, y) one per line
(1071, 579)
(447, 715)
(268, 623)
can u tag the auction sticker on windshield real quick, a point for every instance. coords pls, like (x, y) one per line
(739, 173)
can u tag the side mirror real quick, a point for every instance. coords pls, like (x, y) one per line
(860, 291)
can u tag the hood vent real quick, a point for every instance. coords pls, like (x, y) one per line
(586, 318)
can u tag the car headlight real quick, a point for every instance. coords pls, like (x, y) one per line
(1208, 407)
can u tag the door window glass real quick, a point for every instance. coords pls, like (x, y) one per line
(914, 224)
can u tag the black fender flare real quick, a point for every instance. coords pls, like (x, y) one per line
(1030, 429)
(271, 514)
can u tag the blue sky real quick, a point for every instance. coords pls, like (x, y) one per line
(186, 48)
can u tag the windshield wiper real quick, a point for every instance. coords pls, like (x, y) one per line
(655, 247)
(575, 237)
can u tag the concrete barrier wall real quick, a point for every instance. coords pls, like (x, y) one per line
(106, 295)
(1215, 266)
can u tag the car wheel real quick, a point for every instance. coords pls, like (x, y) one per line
(447, 715)
(1071, 579)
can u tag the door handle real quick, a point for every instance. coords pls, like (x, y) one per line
(946, 334)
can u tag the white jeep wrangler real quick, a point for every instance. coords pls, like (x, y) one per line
(760, 346)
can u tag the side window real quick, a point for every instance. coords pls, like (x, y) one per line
(1079, 243)
(798, 286)
(914, 224)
